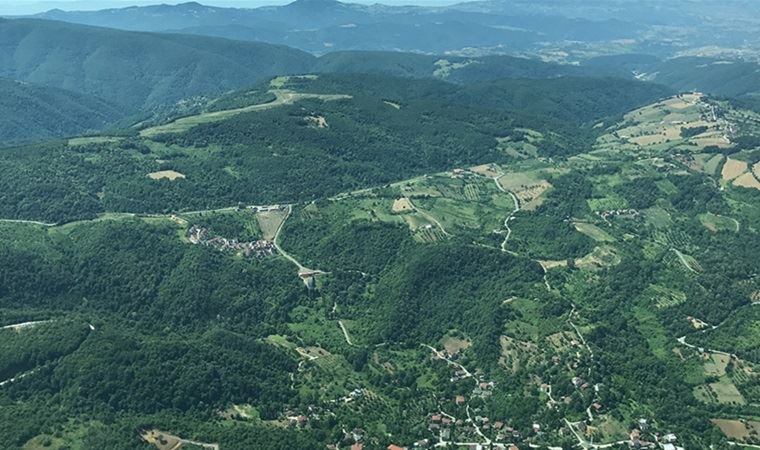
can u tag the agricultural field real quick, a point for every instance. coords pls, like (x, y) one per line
(685, 122)
(739, 430)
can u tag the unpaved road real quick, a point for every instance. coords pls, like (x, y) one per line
(21, 326)
(345, 333)
(511, 215)
(301, 268)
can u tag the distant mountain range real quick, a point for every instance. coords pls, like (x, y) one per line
(321, 26)
(549, 28)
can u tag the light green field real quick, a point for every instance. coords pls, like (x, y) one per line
(594, 232)
(663, 297)
(270, 221)
(716, 222)
(610, 202)
(93, 140)
(658, 217)
(284, 97)
(723, 392)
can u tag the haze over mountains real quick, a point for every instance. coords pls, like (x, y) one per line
(153, 59)
(547, 28)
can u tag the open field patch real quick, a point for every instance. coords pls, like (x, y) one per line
(166, 441)
(593, 231)
(487, 170)
(740, 430)
(166, 174)
(402, 205)
(747, 180)
(711, 165)
(270, 221)
(715, 364)
(716, 222)
(528, 187)
(732, 169)
(76, 142)
(663, 297)
(723, 392)
(454, 345)
(603, 256)
(283, 97)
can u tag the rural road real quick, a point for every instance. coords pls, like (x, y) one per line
(21, 326)
(511, 215)
(426, 215)
(683, 260)
(301, 268)
(440, 355)
(345, 333)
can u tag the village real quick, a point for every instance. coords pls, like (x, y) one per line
(258, 249)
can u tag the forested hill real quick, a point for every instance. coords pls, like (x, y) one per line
(456, 69)
(136, 70)
(29, 111)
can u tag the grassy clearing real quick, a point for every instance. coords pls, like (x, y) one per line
(602, 256)
(270, 221)
(663, 297)
(453, 344)
(712, 165)
(716, 222)
(528, 187)
(80, 141)
(739, 429)
(402, 205)
(715, 365)
(649, 325)
(283, 97)
(594, 232)
(166, 174)
(658, 217)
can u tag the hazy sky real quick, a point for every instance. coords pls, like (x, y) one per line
(10, 7)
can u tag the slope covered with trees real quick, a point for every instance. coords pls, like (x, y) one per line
(29, 112)
(136, 70)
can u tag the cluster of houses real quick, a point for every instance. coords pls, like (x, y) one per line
(353, 395)
(299, 420)
(459, 173)
(666, 442)
(618, 212)
(259, 249)
(445, 426)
